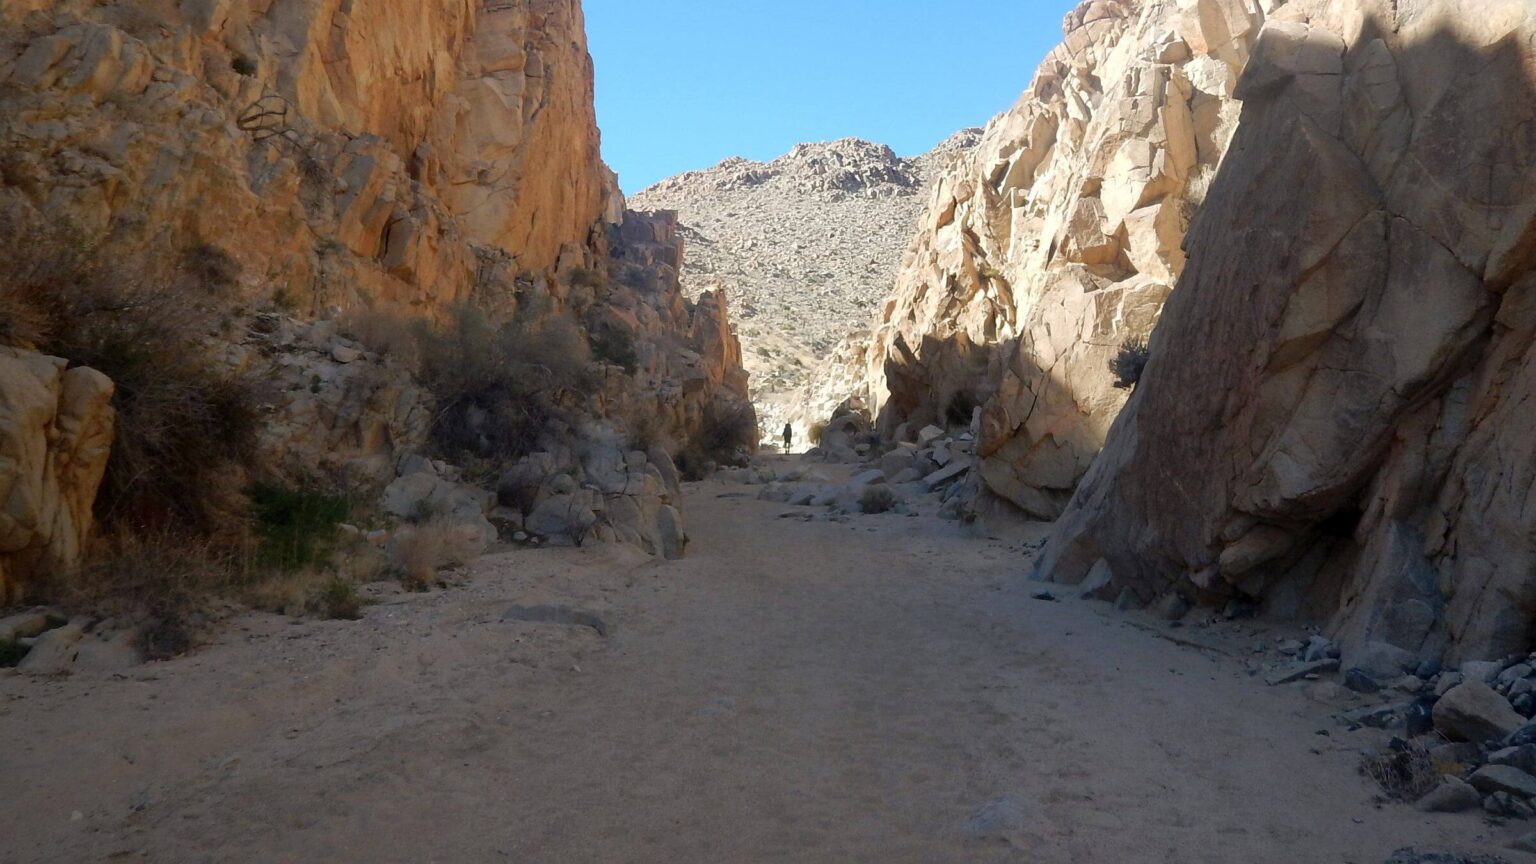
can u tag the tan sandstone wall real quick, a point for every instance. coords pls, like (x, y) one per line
(1336, 418)
(55, 435)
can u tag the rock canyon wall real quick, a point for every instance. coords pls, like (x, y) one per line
(1055, 241)
(325, 165)
(1335, 418)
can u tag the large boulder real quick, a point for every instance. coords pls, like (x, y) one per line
(1474, 712)
(56, 427)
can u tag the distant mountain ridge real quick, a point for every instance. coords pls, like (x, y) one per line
(806, 245)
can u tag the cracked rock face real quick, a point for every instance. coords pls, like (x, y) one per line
(1054, 242)
(1336, 416)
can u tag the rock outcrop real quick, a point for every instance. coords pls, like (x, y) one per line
(1055, 241)
(55, 436)
(334, 151)
(1335, 419)
(808, 244)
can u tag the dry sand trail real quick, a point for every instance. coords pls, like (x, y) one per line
(881, 690)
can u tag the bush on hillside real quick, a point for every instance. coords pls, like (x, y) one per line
(500, 389)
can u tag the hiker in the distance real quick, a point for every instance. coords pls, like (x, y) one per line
(789, 436)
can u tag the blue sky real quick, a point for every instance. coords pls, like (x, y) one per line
(682, 84)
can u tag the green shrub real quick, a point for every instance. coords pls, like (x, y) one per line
(296, 527)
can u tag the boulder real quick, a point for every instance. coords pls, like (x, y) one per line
(1451, 796)
(56, 427)
(1503, 778)
(1472, 711)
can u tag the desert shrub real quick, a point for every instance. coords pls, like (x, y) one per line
(727, 431)
(693, 465)
(11, 653)
(210, 266)
(584, 277)
(877, 498)
(645, 431)
(499, 389)
(1406, 772)
(243, 66)
(960, 409)
(296, 527)
(186, 427)
(338, 600)
(638, 277)
(616, 347)
(1129, 362)
(383, 332)
(818, 429)
(164, 580)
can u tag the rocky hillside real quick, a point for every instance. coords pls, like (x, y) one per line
(354, 243)
(809, 244)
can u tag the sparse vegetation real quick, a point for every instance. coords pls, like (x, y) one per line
(211, 267)
(11, 653)
(385, 333)
(339, 600)
(421, 550)
(818, 429)
(1406, 772)
(186, 429)
(877, 498)
(243, 65)
(499, 389)
(1129, 362)
(297, 527)
(616, 347)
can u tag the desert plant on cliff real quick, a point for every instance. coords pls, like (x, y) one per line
(616, 347)
(1129, 362)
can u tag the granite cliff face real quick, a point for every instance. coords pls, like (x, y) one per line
(1335, 419)
(1052, 243)
(338, 163)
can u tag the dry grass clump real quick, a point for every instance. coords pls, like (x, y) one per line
(167, 581)
(1406, 772)
(420, 551)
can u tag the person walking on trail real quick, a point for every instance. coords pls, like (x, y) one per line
(789, 436)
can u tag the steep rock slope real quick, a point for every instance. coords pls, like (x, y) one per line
(809, 243)
(1055, 241)
(1336, 416)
